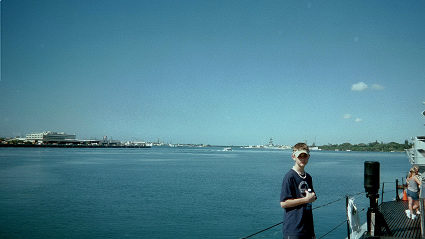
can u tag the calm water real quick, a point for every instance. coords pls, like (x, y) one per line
(171, 192)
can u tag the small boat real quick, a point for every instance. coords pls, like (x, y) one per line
(227, 149)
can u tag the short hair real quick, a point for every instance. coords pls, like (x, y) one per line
(300, 146)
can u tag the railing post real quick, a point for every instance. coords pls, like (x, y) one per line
(348, 218)
(397, 197)
(421, 208)
(382, 192)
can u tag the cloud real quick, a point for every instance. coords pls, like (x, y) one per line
(360, 86)
(377, 87)
(347, 116)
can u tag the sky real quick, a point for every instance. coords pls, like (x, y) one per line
(214, 72)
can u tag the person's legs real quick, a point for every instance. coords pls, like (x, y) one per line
(410, 204)
(416, 206)
(409, 212)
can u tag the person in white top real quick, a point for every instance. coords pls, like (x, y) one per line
(413, 184)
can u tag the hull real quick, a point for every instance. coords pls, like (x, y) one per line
(416, 154)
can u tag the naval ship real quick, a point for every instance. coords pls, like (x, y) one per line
(416, 154)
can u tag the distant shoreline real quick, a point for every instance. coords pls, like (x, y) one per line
(141, 146)
(69, 146)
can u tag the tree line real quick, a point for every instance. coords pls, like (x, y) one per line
(374, 146)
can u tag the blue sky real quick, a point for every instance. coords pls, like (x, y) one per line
(214, 72)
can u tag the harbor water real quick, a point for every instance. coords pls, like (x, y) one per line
(173, 192)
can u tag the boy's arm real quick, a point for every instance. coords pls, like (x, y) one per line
(310, 197)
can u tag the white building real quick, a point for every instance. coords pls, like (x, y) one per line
(50, 137)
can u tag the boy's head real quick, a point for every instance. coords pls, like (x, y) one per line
(300, 151)
(300, 146)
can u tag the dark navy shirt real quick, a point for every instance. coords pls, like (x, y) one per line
(298, 220)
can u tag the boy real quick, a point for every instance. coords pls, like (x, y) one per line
(296, 197)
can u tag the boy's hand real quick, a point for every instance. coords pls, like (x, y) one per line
(310, 196)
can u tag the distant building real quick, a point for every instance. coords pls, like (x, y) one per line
(50, 137)
(35, 137)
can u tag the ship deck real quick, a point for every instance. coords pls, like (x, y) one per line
(398, 223)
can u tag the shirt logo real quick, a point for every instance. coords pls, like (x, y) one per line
(303, 187)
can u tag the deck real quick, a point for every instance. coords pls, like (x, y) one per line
(399, 224)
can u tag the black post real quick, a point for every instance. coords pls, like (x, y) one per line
(375, 219)
(371, 185)
(382, 193)
(348, 221)
(397, 198)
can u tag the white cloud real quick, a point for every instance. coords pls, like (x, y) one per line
(350, 117)
(347, 116)
(360, 86)
(377, 87)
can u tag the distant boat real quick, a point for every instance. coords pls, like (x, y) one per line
(227, 149)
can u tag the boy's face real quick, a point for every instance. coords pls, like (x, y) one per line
(301, 159)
